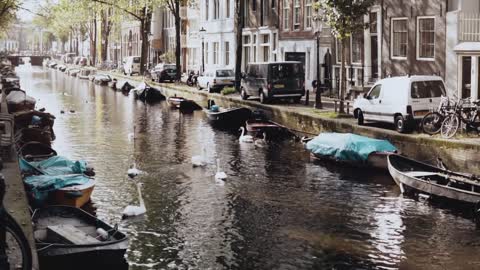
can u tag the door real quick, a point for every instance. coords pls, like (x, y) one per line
(372, 109)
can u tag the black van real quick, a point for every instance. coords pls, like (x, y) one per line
(274, 80)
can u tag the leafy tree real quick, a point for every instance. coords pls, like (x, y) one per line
(344, 17)
(8, 9)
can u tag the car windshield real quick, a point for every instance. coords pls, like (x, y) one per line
(225, 73)
(136, 60)
(281, 71)
(428, 89)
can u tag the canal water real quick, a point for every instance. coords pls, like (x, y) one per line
(276, 210)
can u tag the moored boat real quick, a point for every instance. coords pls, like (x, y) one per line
(144, 92)
(259, 124)
(175, 101)
(351, 149)
(75, 195)
(124, 86)
(425, 178)
(71, 236)
(227, 117)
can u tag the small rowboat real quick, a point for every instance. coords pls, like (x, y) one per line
(68, 236)
(351, 149)
(409, 173)
(175, 102)
(146, 93)
(75, 196)
(227, 117)
(257, 127)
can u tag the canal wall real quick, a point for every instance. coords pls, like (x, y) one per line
(458, 154)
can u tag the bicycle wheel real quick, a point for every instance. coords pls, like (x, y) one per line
(450, 126)
(17, 249)
(432, 123)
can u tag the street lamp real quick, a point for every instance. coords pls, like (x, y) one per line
(317, 26)
(202, 35)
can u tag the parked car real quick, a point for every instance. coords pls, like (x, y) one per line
(164, 72)
(131, 65)
(274, 80)
(216, 80)
(400, 100)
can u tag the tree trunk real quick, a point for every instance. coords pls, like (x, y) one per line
(145, 30)
(239, 23)
(177, 40)
(343, 78)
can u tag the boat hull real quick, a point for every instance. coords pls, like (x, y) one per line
(376, 160)
(408, 179)
(229, 118)
(76, 196)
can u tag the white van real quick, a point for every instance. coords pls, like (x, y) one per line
(400, 100)
(131, 64)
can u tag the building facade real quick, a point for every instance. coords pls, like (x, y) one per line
(298, 38)
(192, 42)
(260, 32)
(131, 39)
(219, 43)
(463, 49)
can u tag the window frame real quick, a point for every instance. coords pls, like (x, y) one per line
(297, 25)
(227, 9)
(286, 13)
(227, 53)
(307, 4)
(392, 37)
(361, 34)
(418, 38)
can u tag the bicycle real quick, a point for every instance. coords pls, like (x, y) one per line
(466, 112)
(15, 251)
(432, 121)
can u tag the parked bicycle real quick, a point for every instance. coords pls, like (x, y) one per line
(467, 112)
(432, 121)
(15, 251)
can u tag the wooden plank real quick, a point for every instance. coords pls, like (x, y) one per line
(68, 234)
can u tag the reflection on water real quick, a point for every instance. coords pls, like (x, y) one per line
(277, 209)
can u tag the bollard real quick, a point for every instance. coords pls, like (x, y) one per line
(348, 107)
(335, 105)
(307, 97)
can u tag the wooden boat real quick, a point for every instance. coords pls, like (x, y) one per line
(124, 87)
(226, 117)
(75, 196)
(144, 92)
(71, 236)
(102, 79)
(258, 126)
(43, 135)
(351, 149)
(18, 100)
(175, 102)
(409, 173)
(112, 84)
(85, 73)
(35, 151)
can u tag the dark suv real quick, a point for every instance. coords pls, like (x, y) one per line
(164, 72)
(274, 80)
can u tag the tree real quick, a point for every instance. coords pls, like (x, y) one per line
(239, 24)
(344, 17)
(8, 9)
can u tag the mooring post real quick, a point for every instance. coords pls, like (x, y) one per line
(307, 97)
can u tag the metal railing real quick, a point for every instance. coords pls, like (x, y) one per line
(468, 26)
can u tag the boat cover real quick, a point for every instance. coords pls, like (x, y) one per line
(57, 172)
(347, 146)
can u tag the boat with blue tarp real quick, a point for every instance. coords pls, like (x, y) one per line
(351, 149)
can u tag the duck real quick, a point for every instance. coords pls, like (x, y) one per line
(199, 160)
(133, 171)
(245, 138)
(261, 142)
(220, 175)
(135, 210)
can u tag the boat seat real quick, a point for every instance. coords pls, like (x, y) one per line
(68, 234)
(420, 173)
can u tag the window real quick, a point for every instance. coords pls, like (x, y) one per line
(427, 89)
(206, 52)
(308, 13)
(356, 40)
(227, 53)
(338, 50)
(266, 52)
(286, 13)
(254, 5)
(273, 3)
(375, 92)
(215, 53)
(206, 9)
(296, 14)
(216, 10)
(373, 22)
(399, 38)
(227, 12)
(426, 38)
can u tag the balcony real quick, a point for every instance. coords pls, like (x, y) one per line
(468, 27)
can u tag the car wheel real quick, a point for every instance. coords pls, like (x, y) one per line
(400, 124)
(263, 98)
(360, 119)
(243, 94)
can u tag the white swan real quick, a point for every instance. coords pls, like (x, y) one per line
(200, 160)
(245, 138)
(261, 142)
(220, 175)
(135, 210)
(133, 171)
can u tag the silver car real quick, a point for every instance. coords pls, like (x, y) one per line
(216, 80)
